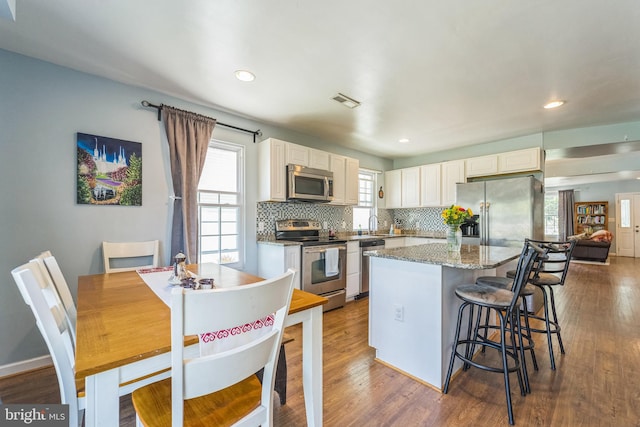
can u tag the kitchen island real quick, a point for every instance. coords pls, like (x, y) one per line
(413, 307)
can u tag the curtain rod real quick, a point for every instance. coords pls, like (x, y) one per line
(253, 132)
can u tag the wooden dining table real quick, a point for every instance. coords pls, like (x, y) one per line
(124, 335)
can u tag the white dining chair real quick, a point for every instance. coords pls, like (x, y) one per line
(135, 254)
(51, 320)
(219, 389)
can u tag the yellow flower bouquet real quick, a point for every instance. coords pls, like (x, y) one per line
(456, 215)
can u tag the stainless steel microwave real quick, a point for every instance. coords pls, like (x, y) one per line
(309, 185)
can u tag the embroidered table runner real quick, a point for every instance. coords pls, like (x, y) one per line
(211, 342)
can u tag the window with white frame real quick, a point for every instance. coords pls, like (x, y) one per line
(366, 200)
(221, 205)
(551, 214)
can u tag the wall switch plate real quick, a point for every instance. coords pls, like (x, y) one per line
(260, 227)
(324, 225)
(385, 223)
(398, 312)
(344, 225)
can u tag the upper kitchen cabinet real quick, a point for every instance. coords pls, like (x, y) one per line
(297, 154)
(482, 166)
(410, 187)
(345, 179)
(393, 194)
(309, 157)
(319, 159)
(503, 163)
(430, 185)
(453, 172)
(520, 161)
(272, 182)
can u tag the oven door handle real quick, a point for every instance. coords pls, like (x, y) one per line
(323, 249)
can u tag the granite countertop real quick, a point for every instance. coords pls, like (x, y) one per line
(271, 240)
(471, 257)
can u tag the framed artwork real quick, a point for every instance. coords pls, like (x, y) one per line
(109, 171)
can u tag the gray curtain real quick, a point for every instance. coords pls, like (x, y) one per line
(188, 135)
(565, 214)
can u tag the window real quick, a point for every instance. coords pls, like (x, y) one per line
(221, 206)
(366, 200)
(551, 214)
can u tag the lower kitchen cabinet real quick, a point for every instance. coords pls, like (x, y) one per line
(353, 269)
(274, 260)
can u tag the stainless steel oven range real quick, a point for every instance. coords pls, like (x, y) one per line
(323, 260)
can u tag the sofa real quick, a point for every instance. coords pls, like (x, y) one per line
(594, 247)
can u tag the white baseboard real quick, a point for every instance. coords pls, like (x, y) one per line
(25, 365)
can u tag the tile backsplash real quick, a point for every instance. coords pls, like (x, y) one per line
(418, 219)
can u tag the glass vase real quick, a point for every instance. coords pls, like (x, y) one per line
(454, 238)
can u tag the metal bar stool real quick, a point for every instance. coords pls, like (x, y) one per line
(505, 304)
(527, 290)
(553, 272)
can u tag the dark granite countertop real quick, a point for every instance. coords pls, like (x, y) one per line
(471, 257)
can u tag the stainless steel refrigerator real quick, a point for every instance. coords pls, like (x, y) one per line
(509, 210)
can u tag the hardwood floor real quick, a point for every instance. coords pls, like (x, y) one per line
(597, 381)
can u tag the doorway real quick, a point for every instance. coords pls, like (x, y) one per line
(628, 225)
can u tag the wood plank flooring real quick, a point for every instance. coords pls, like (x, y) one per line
(597, 381)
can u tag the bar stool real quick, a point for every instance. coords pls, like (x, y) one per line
(505, 304)
(527, 290)
(553, 272)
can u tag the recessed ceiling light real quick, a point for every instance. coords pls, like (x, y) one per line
(403, 140)
(554, 104)
(245, 76)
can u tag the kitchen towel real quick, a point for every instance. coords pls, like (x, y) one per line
(331, 260)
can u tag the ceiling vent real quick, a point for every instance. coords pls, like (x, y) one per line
(346, 101)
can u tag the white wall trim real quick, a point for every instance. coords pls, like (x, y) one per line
(25, 365)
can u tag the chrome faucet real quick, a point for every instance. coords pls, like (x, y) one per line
(375, 224)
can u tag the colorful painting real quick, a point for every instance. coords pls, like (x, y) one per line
(109, 171)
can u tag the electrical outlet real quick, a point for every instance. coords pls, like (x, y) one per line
(260, 227)
(385, 223)
(324, 225)
(344, 225)
(418, 224)
(398, 312)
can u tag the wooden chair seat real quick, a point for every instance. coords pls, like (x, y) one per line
(222, 408)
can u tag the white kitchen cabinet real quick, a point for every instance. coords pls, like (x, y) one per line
(297, 154)
(274, 260)
(430, 185)
(345, 179)
(453, 172)
(529, 159)
(319, 159)
(352, 181)
(272, 182)
(353, 269)
(410, 187)
(393, 191)
(482, 166)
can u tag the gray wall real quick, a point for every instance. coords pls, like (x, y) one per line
(42, 106)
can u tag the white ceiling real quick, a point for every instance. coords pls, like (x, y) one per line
(443, 74)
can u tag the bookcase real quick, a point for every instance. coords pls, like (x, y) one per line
(590, 216)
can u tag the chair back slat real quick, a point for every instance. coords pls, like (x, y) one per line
(558, 257)
(130, 250)
(532, 256)
(53, 295)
